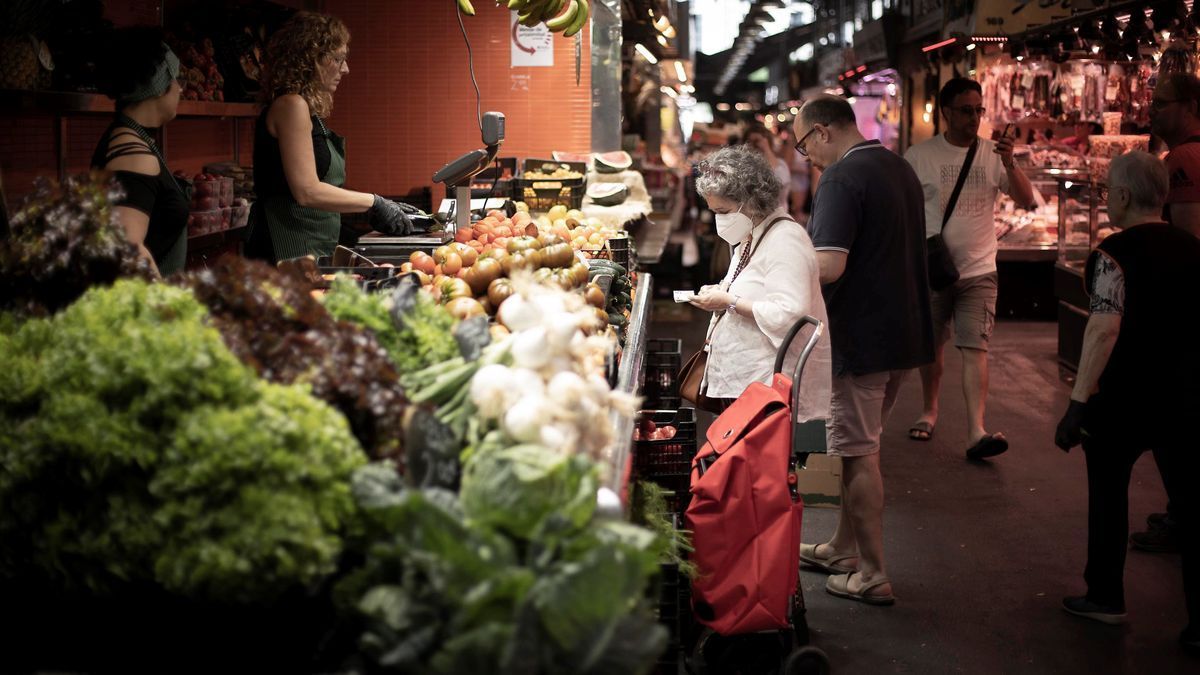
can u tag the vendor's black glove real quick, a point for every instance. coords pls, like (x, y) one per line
(408, 209)
(1070, 427)
(389, 217)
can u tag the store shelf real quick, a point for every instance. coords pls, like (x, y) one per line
(60, 102)
(209, 238)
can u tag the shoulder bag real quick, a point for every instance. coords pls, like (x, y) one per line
(691, 374)
(942, 272)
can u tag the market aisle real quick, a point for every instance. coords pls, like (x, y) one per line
(981, 555)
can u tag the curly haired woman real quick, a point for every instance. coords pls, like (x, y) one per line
(299, 164)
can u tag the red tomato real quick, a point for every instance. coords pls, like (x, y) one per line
(422, 261)
(464, 235)
(452, 264)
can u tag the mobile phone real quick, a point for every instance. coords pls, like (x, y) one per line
(1008, 128)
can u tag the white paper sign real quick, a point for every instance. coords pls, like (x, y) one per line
(531, 46)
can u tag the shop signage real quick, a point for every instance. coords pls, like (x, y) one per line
(531, 46)
(877, 41)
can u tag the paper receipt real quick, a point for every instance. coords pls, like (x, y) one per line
(684, 296)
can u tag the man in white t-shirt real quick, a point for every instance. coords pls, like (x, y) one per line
(970, 236)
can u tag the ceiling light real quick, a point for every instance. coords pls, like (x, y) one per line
(680, 71)
(662, 40)
(646, 53)
(971, 47)
(669, 92)
(723, 107)
(781, 117)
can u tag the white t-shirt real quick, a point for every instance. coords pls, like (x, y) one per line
(971, 232)
(783, 280)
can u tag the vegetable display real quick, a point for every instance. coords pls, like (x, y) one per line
(272, 323)
(64, 240)
(138, 449)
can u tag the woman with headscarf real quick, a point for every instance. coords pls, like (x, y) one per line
(140, 76)
(299, 164)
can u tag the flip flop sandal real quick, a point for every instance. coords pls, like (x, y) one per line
(988, 446)
(915, 431)
(839, 586)
(808, 556)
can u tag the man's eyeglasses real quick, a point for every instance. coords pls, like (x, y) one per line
(969, 110)
(800, 143)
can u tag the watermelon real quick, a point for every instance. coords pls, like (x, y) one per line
(581, 157)
(612, 162)
(607, 194)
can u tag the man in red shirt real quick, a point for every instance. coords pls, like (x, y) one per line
(1175, 118)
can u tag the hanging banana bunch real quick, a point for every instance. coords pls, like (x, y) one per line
(560, 16)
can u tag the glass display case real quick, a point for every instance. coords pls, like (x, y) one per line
(1082, 221)
(1022, 233)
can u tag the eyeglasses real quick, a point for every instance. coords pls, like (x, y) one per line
(969, 110)
(337, 60)
(800, 143)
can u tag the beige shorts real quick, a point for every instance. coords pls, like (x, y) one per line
(971, 303)
(858, 410)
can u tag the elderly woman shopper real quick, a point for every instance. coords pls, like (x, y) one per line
(299, 164)
(139, 74)
(772, 283)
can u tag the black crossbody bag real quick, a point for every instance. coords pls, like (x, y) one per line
(942, 272)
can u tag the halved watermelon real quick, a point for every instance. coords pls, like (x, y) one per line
(612, 162)
(582, 157)
(607, 194)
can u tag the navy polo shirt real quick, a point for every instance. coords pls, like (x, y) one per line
(870, 206)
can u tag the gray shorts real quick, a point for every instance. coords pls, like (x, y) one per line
(971, 303)
(859, 407)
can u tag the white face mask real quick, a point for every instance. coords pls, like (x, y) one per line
(733, 227)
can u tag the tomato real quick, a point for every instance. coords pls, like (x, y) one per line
(438, 271)
(468, 254)
(504, 231)
(423, 277)
(501, 241)
(484, 238)
(406, 268)
(440, 253)
(464, 308)
(452, 264)
(498, 215)
(499, 290)
(464, 235)
(482, 274)
(580, 271)
(523, 244)
(422, 261)
(453, 288)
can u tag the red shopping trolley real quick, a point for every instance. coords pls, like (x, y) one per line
(745, 516)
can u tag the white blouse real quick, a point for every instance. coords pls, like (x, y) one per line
(783, 280)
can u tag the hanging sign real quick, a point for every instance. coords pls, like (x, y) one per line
(531, 46)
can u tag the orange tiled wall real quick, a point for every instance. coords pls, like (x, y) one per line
(407, 107)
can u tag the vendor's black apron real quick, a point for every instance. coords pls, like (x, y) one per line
(297, 230)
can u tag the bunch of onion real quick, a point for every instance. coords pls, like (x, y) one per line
(554, 393)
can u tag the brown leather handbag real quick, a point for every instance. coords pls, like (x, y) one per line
(691, 373)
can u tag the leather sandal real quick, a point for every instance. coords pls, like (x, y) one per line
(839, 586)
(831, 564)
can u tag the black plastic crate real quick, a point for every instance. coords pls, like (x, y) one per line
(668, 463)
(673, 614)
(481, 183)
(660, 382)
(543, 193)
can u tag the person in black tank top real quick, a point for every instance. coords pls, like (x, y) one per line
(299, 164)
(1138, 384)
(140, 75)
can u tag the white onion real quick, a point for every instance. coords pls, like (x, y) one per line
(517, 314)
(489, 388)
(567, 389)
(523, 421)
(529, 349)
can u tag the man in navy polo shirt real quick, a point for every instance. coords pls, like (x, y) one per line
(868, 227)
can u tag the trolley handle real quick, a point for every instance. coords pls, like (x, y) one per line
(819, 328)
(807, 436)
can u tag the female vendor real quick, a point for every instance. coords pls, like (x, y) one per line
(139, 74)
(299, 164)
